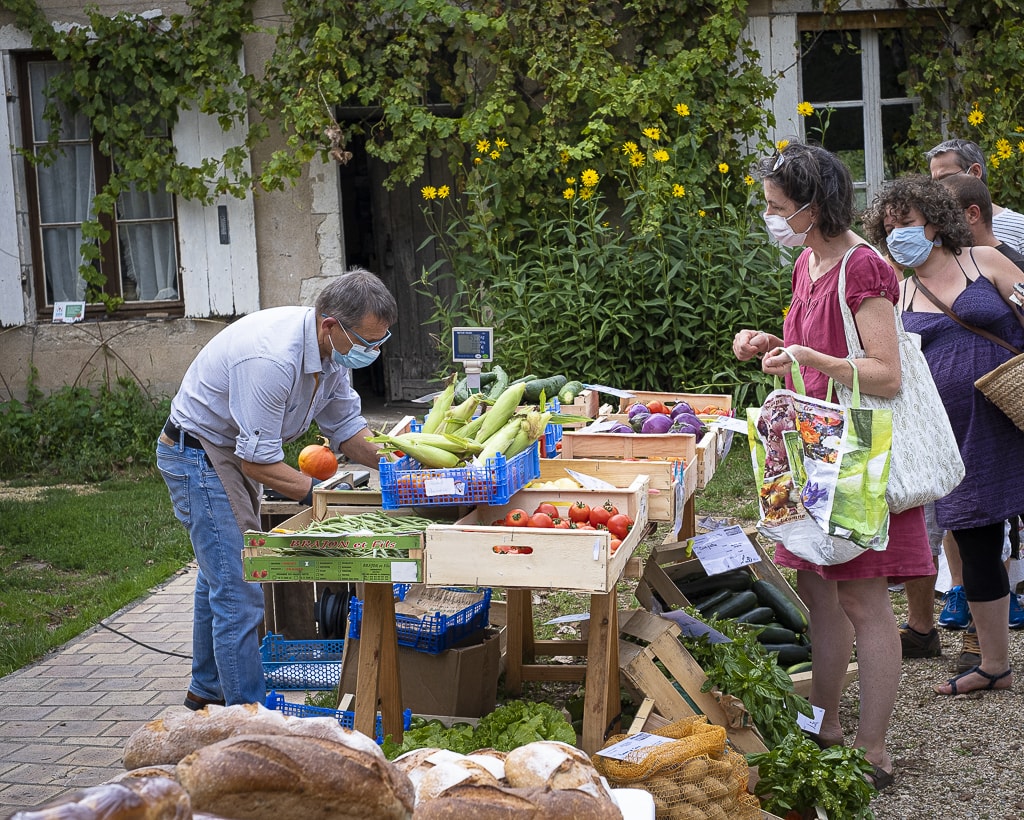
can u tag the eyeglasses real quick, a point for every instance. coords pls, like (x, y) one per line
(778, 162)
(368, 345)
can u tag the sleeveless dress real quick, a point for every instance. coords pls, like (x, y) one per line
(815, 319)
(990, 444)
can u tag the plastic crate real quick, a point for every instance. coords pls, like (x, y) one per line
(404, 484)
(301, 664)
(433, 633)
(552, 435)
(346, 719)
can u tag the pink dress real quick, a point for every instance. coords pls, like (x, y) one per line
(816, 320)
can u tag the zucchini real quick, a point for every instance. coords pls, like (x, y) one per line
(527, 378)
(736, 580)
(568, 394)
(786, 611)
(788, 653)
(461, 391)
(499, 384)
(758, 615)
(776, 633)
(737, 604)
(799, 667)
(716, 599)
(549, 387)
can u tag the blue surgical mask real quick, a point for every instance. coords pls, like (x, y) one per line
(909, 246)
(357, 357)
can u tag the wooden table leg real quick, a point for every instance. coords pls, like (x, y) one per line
(601, 703)
(689, 527)
(377, 674)
(519, 620)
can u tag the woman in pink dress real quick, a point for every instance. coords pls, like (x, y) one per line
(809, 197)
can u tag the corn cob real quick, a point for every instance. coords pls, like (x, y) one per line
(443, 441)
(425, 454)
(499, 442)
(439, 409)
(499, 414)
(458, 416)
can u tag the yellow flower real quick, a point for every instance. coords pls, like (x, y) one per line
(678, 190)
(429, 192)
(568, 193)
(976, 117)
(483, 146)
(723, 168)
(1020, 146)
(477, 160)
(683, 110)
(781, 145)
(748, 179)
(805, 109)
(1003, 148)
(586, 193)
(636, 160)
(589, 177)
(994, 162)
(629, 148)
(702, 213)
(1019, 129)
(571, 180)
(785, 310)
(563, 156)
(652, 133)
(500, 143)
(494, 154)
(661, 155)
(443, 191)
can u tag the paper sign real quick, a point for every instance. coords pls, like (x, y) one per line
(729, 423)
(569, 619)
(68, 312)
(589, 482)
(443, 486)
(633, 743)
(693, 628)
(811, 724)
(611, 391)
(724, 549)
(404, 571)
(599, 426)
(677, 525)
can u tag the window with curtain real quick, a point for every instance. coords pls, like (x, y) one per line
(139, 261)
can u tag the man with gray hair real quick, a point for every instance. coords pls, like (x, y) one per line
(256, 385)
(958, 156)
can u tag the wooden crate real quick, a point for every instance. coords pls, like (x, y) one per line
(647, 640)
(658, 446)
(696, 400)
(469, 552)
(586, 404)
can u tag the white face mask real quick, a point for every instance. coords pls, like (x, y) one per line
(781, 232)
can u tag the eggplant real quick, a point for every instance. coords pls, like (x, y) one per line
(619, 427)
(657, 423)
(636, 422)
(637, 410)
(681, 407)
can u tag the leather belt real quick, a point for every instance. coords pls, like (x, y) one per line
(178, 435)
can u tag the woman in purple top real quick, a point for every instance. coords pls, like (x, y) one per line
(919, 223)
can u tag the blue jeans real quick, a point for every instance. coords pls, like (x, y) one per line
(226, 661)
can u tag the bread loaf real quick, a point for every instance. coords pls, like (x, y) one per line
(167, 740)
(551, 764)
(498, 803)
(281, 777)
(444, 776)
(141, 798)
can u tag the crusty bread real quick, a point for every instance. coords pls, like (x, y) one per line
(497, 803)
(279, 777)
(444, 776)
(167, 740)
(140, 798)
(548, 763)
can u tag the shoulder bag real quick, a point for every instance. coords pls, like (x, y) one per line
(926, 463)
(1003, 385)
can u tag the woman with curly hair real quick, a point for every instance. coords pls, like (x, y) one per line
(921, 226)
(809, 197)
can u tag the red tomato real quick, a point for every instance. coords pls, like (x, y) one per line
(579, 512)
(561, 523)
(498, 522)
(657, 407)
(615, 544)
(599, 515)
(548, 509)
(517, 518)
(539, 519)
(586, 525)
(618, 525)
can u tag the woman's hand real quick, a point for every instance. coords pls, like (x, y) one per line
(750, 343)
(779, 362)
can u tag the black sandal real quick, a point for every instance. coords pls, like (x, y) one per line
(879, 778)
(992, 680)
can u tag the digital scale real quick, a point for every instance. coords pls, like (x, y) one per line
(471, 347)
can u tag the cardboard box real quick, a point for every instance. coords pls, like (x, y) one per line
(460, 681)
(473, 552)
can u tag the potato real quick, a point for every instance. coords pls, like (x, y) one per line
(694, 770)
(716, 789)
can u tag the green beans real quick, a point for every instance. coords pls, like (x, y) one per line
(378, 523)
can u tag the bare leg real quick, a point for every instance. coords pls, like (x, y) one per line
(956, 567)
(832, 651)
(990, 618)
(921, 603)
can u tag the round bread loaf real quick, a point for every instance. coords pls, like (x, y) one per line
(549, 763)
(140, 798)
(274, 777)
(443, 776)
(497, 803)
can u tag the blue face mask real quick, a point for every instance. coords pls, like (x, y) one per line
(909, 246)
(358, 356)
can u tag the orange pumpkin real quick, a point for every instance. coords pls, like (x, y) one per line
(318, 460)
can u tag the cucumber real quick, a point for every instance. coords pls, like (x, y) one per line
(786, 611)
(737, 604)
(716, 599)
(568, 394)
(776, 633)
(548, 386)
(758, 615)
(788, 653)
(461, 391)
(736, 580)
(499, 384)
(527, 378)
(799, 667)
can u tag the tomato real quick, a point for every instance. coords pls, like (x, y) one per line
(618, 525)
(498, 522)
(657, 407)
(586, 525)
(579, 512)
(561, 523)
(599, 515)
(539, 519)
(615, 544)
(548, 509)
(516, 518)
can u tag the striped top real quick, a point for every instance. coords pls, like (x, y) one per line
(1008, 226)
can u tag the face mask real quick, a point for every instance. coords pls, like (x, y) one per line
(909, 246)
(781, 232)
(357, 357)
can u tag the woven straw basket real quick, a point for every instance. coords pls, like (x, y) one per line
(1004, 387)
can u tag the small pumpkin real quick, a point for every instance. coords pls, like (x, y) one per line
(318, 460)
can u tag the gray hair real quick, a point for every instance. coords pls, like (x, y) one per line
(355, 295)
(967, 154)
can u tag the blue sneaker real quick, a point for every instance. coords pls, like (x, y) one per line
(956, 614)
(1016, 612)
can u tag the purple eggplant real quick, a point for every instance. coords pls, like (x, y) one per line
(638, 421)
(620, 427)
(681, 407)
(657, 423)
(637, 410)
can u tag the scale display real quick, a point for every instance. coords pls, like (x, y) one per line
(472, 344)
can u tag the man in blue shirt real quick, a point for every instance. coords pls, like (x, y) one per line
(256, 385)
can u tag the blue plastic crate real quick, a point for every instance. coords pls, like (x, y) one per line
(552, 435)
(346, 719)
(433, 633)
(404, 484)
(308, 665)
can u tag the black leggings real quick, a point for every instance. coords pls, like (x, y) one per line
(981, 551)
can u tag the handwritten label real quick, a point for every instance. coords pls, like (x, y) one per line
(641, 740)
(611, 391)
(443, 486)
(589, 482)
(811, 724)
(724, 549)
